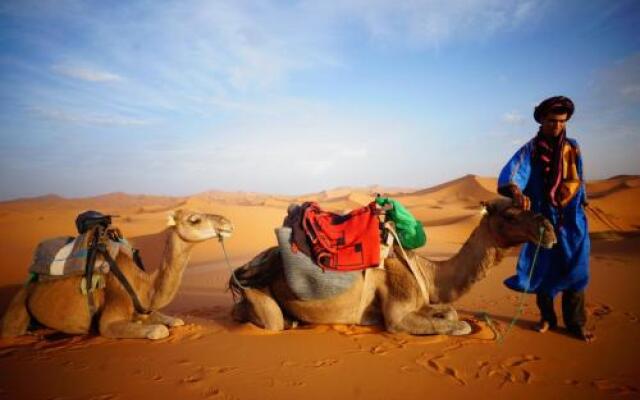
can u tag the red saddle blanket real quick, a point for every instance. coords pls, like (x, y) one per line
(343, 242)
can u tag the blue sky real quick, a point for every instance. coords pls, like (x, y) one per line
(164, 97)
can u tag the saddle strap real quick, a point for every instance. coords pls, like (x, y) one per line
(414, 269)
(88, 270)
(113, 267)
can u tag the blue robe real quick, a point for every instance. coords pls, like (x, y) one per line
(566, 265)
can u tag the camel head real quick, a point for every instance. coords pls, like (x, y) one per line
(194, 226)
(511, 225)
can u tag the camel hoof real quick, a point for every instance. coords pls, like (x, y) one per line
(158, 332)
(176, 322)
(461, 328)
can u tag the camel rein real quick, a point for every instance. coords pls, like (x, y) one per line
(501, 337)
(226, 258)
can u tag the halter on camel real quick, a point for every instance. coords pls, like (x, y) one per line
(98, 226)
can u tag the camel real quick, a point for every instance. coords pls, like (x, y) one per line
(391, 295)
(59, 304)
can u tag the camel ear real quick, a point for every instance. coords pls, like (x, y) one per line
(171, 219)
(484, 208)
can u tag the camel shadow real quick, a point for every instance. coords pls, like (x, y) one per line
(6, 294)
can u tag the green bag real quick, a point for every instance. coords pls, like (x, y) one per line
(410, 231)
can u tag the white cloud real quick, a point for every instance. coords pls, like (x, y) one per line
(432, 23)
(86, 74)
(201, 58)
(514, 118)
(88, 118)
(631, 90)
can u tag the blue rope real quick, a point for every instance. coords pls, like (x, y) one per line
(500, 336)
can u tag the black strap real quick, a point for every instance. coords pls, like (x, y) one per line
(88, 269)
(138, 260)
(113, 267)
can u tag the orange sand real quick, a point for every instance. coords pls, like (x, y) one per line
(213, 357)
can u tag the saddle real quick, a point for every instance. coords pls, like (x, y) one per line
(323, 253)
(91, 254)
(347, 242)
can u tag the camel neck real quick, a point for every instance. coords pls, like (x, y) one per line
(455, 276)
(174, 261)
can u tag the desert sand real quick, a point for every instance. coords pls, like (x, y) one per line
(214, 357)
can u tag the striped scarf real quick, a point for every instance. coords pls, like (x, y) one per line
(549, 155)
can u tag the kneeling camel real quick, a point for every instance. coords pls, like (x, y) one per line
(59, 304)
(392, 295)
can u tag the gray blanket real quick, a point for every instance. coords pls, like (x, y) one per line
(65, 255)
(306, 279)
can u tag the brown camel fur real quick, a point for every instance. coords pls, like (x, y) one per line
(59, 304)
(392, 295)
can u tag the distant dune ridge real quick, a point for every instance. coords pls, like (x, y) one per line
(449, 211)
(213, 357)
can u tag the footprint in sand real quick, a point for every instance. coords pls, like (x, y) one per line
(296, 384)
(408, 368)
(323, 363)
(288, 364)
(195, 378)
(432, 363)
(76, 366)
(632, 317)
(510, 370)
(518, 361)
(146, 371)
(380, 349)
(612, 387)
(199, 375)
(599, 310)
(217, 394)
(108, 396)
(223, 369)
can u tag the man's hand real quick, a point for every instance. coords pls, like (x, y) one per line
(519, 199)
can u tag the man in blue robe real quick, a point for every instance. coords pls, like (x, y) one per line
(546, 175)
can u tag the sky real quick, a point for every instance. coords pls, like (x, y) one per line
(292, 97)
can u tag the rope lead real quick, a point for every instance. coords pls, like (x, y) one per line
(226, 258)
(500, 336)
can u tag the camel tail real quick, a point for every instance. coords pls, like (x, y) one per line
(15, 321)
(257, 273)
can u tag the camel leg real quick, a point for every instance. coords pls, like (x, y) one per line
(419, 324)
(133, 330)
(262, 310)
(156, 317)
(115, 324)
(16, 319)
(444, 311)
(401, 316)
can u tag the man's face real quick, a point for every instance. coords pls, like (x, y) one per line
(554, 124)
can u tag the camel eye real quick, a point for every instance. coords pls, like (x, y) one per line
(194, 219)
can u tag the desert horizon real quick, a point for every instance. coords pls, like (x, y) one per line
(196, 124)
(214, 357)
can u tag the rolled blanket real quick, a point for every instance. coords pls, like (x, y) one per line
(65, 255)
(306, 279)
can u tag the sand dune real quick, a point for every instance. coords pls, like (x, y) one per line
(212, 357)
